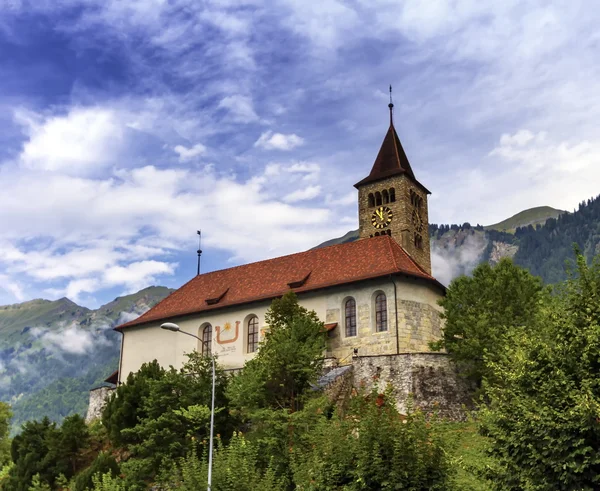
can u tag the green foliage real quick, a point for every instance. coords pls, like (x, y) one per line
(104, 463)
(44, 450)
(371, 447)
(38, 485)
(125, 407)
(160, 415)
(235, 466)
(289, 359)
(107, 482)
(5, 416)
(56, 384)
(480, 310)
(543, 416)
(544, 250)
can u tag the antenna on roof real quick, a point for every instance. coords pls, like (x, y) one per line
(391, 106)
(199, 232)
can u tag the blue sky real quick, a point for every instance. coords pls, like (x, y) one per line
(129, 124)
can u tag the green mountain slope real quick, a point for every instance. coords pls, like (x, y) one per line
(540, 239)
(532, 216)
(53, 352)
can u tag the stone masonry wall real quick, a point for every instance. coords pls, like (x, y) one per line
(430, 379)
(98, 400)
(401, 228)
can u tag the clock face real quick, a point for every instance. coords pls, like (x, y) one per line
(381, 217)
(417, 221)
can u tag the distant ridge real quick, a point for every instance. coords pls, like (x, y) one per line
(531, 216)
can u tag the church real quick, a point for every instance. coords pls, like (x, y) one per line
(376, 295)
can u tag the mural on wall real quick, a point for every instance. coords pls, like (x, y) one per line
(226, 335)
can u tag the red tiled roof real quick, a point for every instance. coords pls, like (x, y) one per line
(317, 268)
(391, 160)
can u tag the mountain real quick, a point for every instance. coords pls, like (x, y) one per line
(53, 352)
(540, 239)
(532, 216)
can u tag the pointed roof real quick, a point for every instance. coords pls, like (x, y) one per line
(302, 272)
(391, 160)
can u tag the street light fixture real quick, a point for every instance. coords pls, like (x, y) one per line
(170, 326)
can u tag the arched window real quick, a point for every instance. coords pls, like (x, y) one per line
(389, 232)
(371, 200)
(207, 340)
(385, 196)
(252, 334)
(380, 313)
(350, 317)
(392, 195)
(377, 198)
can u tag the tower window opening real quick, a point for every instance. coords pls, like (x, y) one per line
(385, 196)
(389, 232)
(418, 241)
(378, 198)
(371, 200)
(392, 195)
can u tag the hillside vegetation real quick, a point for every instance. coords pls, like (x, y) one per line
(53, 352)
(539, 239)
(532, 216)
(275, 432)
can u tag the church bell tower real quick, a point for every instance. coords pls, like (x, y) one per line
(392, 202)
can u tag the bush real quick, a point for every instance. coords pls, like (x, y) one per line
(371, 447)
(544, 416)
(104, 464)
(235, 467)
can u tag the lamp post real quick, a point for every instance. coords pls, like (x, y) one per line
(169, 326)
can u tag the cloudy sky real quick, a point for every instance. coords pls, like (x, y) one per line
(129, 124)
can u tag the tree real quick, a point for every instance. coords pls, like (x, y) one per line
(125, 407)
(5, 416)
(171, 414)
(544, 414)
(370, 446)
(288, 361)
(44, 450)
(480, 310)
(277, 381)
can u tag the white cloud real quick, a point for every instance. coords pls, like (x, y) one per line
(71, 339)
(307, 193)
(186, 154)
(12, 287)
(278, 141)
(78, 142)
(240, 107)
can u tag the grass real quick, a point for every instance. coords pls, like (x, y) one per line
(468, 452)
(532, 216)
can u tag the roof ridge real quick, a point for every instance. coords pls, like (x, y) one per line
(394, 135)
(412, 260)
(273, 258)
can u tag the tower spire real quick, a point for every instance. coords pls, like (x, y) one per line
(391, 106)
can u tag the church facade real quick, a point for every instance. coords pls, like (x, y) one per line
(375, 295)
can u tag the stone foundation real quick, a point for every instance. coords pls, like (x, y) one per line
(430, 379)
(98, 400)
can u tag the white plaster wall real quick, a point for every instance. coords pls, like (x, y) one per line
(148, 342)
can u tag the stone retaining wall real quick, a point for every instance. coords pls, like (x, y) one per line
(98, 400)
(430, 379)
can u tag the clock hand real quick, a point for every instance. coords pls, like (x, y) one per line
(380, 214)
